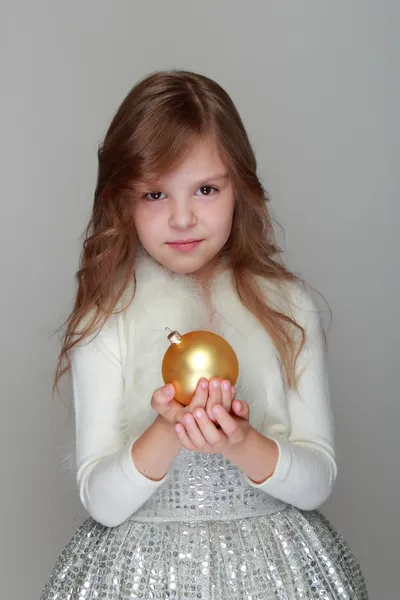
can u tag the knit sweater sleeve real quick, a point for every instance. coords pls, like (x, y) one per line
(306, 468)
(111, 488)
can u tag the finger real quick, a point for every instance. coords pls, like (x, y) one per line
(214, 396)
(241, 409)
(226, 395)
(200, 395)
(228, 424)
(184, 438)
(192, 429)
(211, 434)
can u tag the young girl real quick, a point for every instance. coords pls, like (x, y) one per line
(217, 499)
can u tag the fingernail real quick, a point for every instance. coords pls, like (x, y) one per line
(204, 385)
(198, 414)
(227, 385)
(216, 384)
(216, 410)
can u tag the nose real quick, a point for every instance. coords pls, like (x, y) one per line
(182, 215)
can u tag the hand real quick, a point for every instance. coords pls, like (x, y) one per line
(198, 433)
(164, 403)
(219, 392)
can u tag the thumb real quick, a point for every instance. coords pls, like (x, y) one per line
(168, 392)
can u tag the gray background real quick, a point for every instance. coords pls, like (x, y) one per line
(317, 85)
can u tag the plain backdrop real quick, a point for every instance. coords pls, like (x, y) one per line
(317, 84)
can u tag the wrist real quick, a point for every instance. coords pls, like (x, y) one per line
(257, 457)
(156, 449)
(166, 429)
(231, 452)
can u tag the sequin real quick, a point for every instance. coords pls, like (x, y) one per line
(207, 535)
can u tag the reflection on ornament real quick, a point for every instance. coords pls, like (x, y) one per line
(195, 355)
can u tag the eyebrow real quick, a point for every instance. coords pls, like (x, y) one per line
(215, 177)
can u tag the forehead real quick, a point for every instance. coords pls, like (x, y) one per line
(202, 161)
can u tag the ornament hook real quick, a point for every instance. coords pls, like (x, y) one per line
(173, 336)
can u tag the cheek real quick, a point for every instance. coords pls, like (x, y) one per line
(219, 213)
(222, 219)
(146, 222)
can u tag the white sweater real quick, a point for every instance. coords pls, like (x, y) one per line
(106, 397)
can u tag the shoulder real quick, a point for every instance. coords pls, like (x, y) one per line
(101, 339)
(299, 301)
(100, 333)
(290, 297)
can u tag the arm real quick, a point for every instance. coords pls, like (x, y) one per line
(299, 469)
(114, 477)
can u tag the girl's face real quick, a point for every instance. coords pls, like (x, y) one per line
(185, 219)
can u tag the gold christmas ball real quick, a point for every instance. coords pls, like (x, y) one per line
(195, 355)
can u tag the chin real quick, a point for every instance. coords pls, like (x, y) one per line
(184, 267)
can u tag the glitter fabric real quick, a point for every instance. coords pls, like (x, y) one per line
(207, 535)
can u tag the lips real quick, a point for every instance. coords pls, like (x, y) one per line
(184, 245)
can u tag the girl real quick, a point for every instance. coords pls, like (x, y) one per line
(218, 499)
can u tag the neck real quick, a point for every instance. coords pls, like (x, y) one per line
(206, 275)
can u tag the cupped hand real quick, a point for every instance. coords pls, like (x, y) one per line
(198, 433)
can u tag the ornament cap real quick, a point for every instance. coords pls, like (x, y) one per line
(173, 336)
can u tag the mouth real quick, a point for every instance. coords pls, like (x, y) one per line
(184, 245)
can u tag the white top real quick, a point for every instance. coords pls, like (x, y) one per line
(103, 372)
(111, 487)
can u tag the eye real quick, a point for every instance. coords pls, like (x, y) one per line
(206, 190)
(153, 196)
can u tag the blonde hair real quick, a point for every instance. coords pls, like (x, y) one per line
(152, 131)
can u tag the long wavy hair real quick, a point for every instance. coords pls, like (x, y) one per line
(152, 132)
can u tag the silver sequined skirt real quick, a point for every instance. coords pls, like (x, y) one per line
(249, 548)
